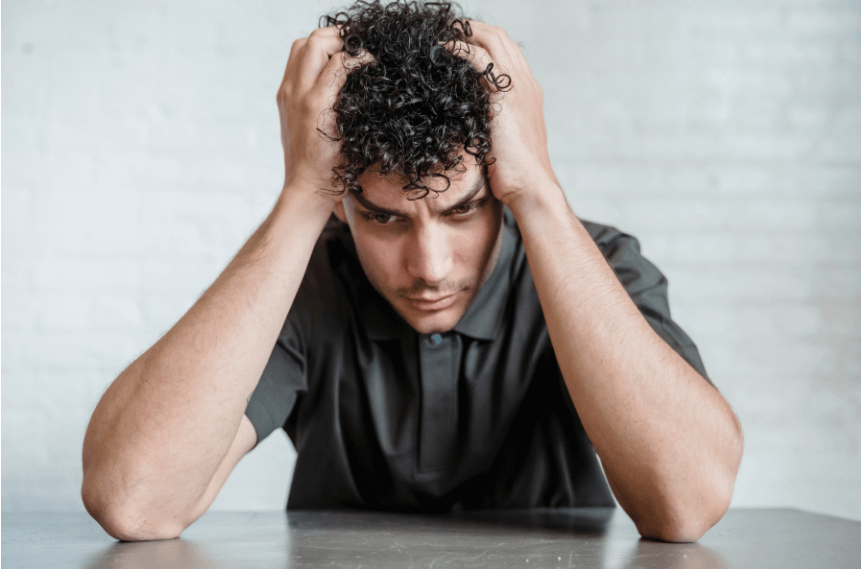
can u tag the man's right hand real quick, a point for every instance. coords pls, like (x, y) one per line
(316, 71)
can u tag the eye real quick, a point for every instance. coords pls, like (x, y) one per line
(379, 218)
(463, 209)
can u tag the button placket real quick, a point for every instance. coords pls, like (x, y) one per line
(438, 423)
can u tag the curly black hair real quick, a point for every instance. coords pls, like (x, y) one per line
(413, 108)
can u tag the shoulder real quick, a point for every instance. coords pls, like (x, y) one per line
(620, 249)
(328, 285)
(610, 240)
(623, 254)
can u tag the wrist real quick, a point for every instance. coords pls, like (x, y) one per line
(540, 199)
(303, 207)
(308, 198)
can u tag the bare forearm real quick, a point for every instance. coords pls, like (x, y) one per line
(164, 426)
(669, 442)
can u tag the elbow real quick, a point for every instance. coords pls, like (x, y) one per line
(688, 518)
(676, 529)
(123, 522)
(686, 522)
(683, 506)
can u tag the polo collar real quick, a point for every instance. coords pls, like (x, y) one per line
(482, 320)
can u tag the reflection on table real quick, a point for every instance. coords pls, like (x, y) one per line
(585, 537)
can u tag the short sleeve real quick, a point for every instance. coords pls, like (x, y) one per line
(647, 287)
(283, 378)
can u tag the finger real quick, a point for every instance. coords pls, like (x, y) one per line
(502, 49)
(334, 74)
(491, 38)
(481, 60)
(315, 55)
(296, 48)
(331, 81)
(478, 56)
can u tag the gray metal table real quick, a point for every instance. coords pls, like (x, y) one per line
(532, 539)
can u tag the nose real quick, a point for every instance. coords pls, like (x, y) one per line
(429, 255)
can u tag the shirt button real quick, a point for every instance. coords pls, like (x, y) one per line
(436, 339)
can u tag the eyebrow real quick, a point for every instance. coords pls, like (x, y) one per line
(370, 206)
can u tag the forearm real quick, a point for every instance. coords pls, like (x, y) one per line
(669, 442)
(163, 427)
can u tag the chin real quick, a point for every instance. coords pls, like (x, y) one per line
(431, 323)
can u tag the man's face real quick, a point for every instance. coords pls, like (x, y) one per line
(427, 257)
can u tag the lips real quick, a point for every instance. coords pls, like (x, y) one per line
(432, 304)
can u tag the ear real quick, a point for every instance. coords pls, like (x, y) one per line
(339, 211)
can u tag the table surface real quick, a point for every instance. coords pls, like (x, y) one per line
(578, 537)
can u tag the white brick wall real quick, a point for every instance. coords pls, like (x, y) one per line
(140, 148)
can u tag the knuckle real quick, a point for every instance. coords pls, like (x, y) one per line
(307, 105)
(318, 32)
(284, 94)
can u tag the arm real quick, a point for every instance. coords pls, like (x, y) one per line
(669, 442)
(171, 427)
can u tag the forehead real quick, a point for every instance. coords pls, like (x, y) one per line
(388, 191)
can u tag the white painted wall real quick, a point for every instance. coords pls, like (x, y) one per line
(140, 148)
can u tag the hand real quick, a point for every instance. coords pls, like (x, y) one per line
(518, 131)
(316, 71)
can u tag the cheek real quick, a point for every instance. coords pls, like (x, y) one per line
(380, 260)
(478, 245)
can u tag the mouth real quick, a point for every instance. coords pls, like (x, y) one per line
(431, 304)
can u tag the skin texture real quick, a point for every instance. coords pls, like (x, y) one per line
(171, 427)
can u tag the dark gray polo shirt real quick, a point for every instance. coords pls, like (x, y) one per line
(479, 417)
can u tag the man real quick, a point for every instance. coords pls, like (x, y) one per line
(456, 338)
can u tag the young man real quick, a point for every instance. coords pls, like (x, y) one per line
(455, 338)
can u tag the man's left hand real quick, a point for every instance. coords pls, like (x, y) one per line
(518, 131)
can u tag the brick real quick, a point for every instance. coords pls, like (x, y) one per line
(734, 81)
(26, 445)
(791, 52)
(831, 22)
(765, 146)
(744, 284)
(17, 214)
(847, 119)
(850, 50)
(740, 249)
(64, 312)
(808, 118)
(184, 279)
(162, 311)
(703, 214)
(224, 207)
(758, 321)
(105, 352)
(841, 215)
(727, 20)
(105, 275)
(116, 314)
(16, 271)
(842, 321)
(846, 150)
(838, 283)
